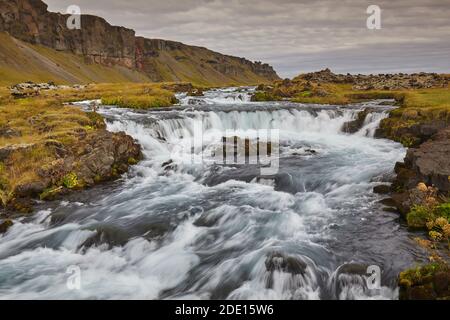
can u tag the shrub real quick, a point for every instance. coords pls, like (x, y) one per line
(419, 216)
(264, 96)
(70, 180)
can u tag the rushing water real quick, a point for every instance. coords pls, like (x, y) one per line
(181, 226)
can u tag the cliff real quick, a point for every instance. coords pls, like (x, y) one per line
(99, 42)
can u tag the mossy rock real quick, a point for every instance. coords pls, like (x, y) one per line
(264, 96)
(5, 225)
(428, 282)
(132, 161)
(418, 217)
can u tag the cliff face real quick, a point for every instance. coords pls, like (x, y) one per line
(99, 42)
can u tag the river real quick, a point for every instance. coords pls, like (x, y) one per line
(181, 225)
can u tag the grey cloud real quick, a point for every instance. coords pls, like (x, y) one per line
(292, 35)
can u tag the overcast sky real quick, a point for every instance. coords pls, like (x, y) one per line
(294, 36)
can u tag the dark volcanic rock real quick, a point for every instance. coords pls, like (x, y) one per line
(425, 174)
(382, 189)
(356, 125)
(280, 262)
(430, 162)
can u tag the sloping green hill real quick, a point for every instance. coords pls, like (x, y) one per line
(21, 61)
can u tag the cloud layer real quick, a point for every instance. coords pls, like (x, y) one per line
(294, 36)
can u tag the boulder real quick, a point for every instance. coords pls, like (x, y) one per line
(430, 162)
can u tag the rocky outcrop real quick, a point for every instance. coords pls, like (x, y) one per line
(400, 81)
(99, 42)
(96, 157)
(30, 89)
(380, 81)
(326, 76)
(427, 164)
(428, 282)
(431, 161)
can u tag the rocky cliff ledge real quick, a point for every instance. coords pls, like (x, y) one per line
(100, 42)
(429, 164)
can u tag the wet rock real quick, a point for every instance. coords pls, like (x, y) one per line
(382, 189)
(5, 225)
(280, 262)
(424, 292)
(441, 283)
(356, 125)
(389, 202)
(110, 235)
(169, 166)
(353, 268)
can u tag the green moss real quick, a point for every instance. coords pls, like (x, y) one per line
(443, 210)
(70, 180)
(132, 161)
(140, 102)
(421, 274)
(418, 217)
(261, 96)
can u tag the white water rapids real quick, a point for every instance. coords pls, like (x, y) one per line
(177, 226)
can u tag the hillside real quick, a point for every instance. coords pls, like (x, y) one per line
(49, 51)
(21, 61)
